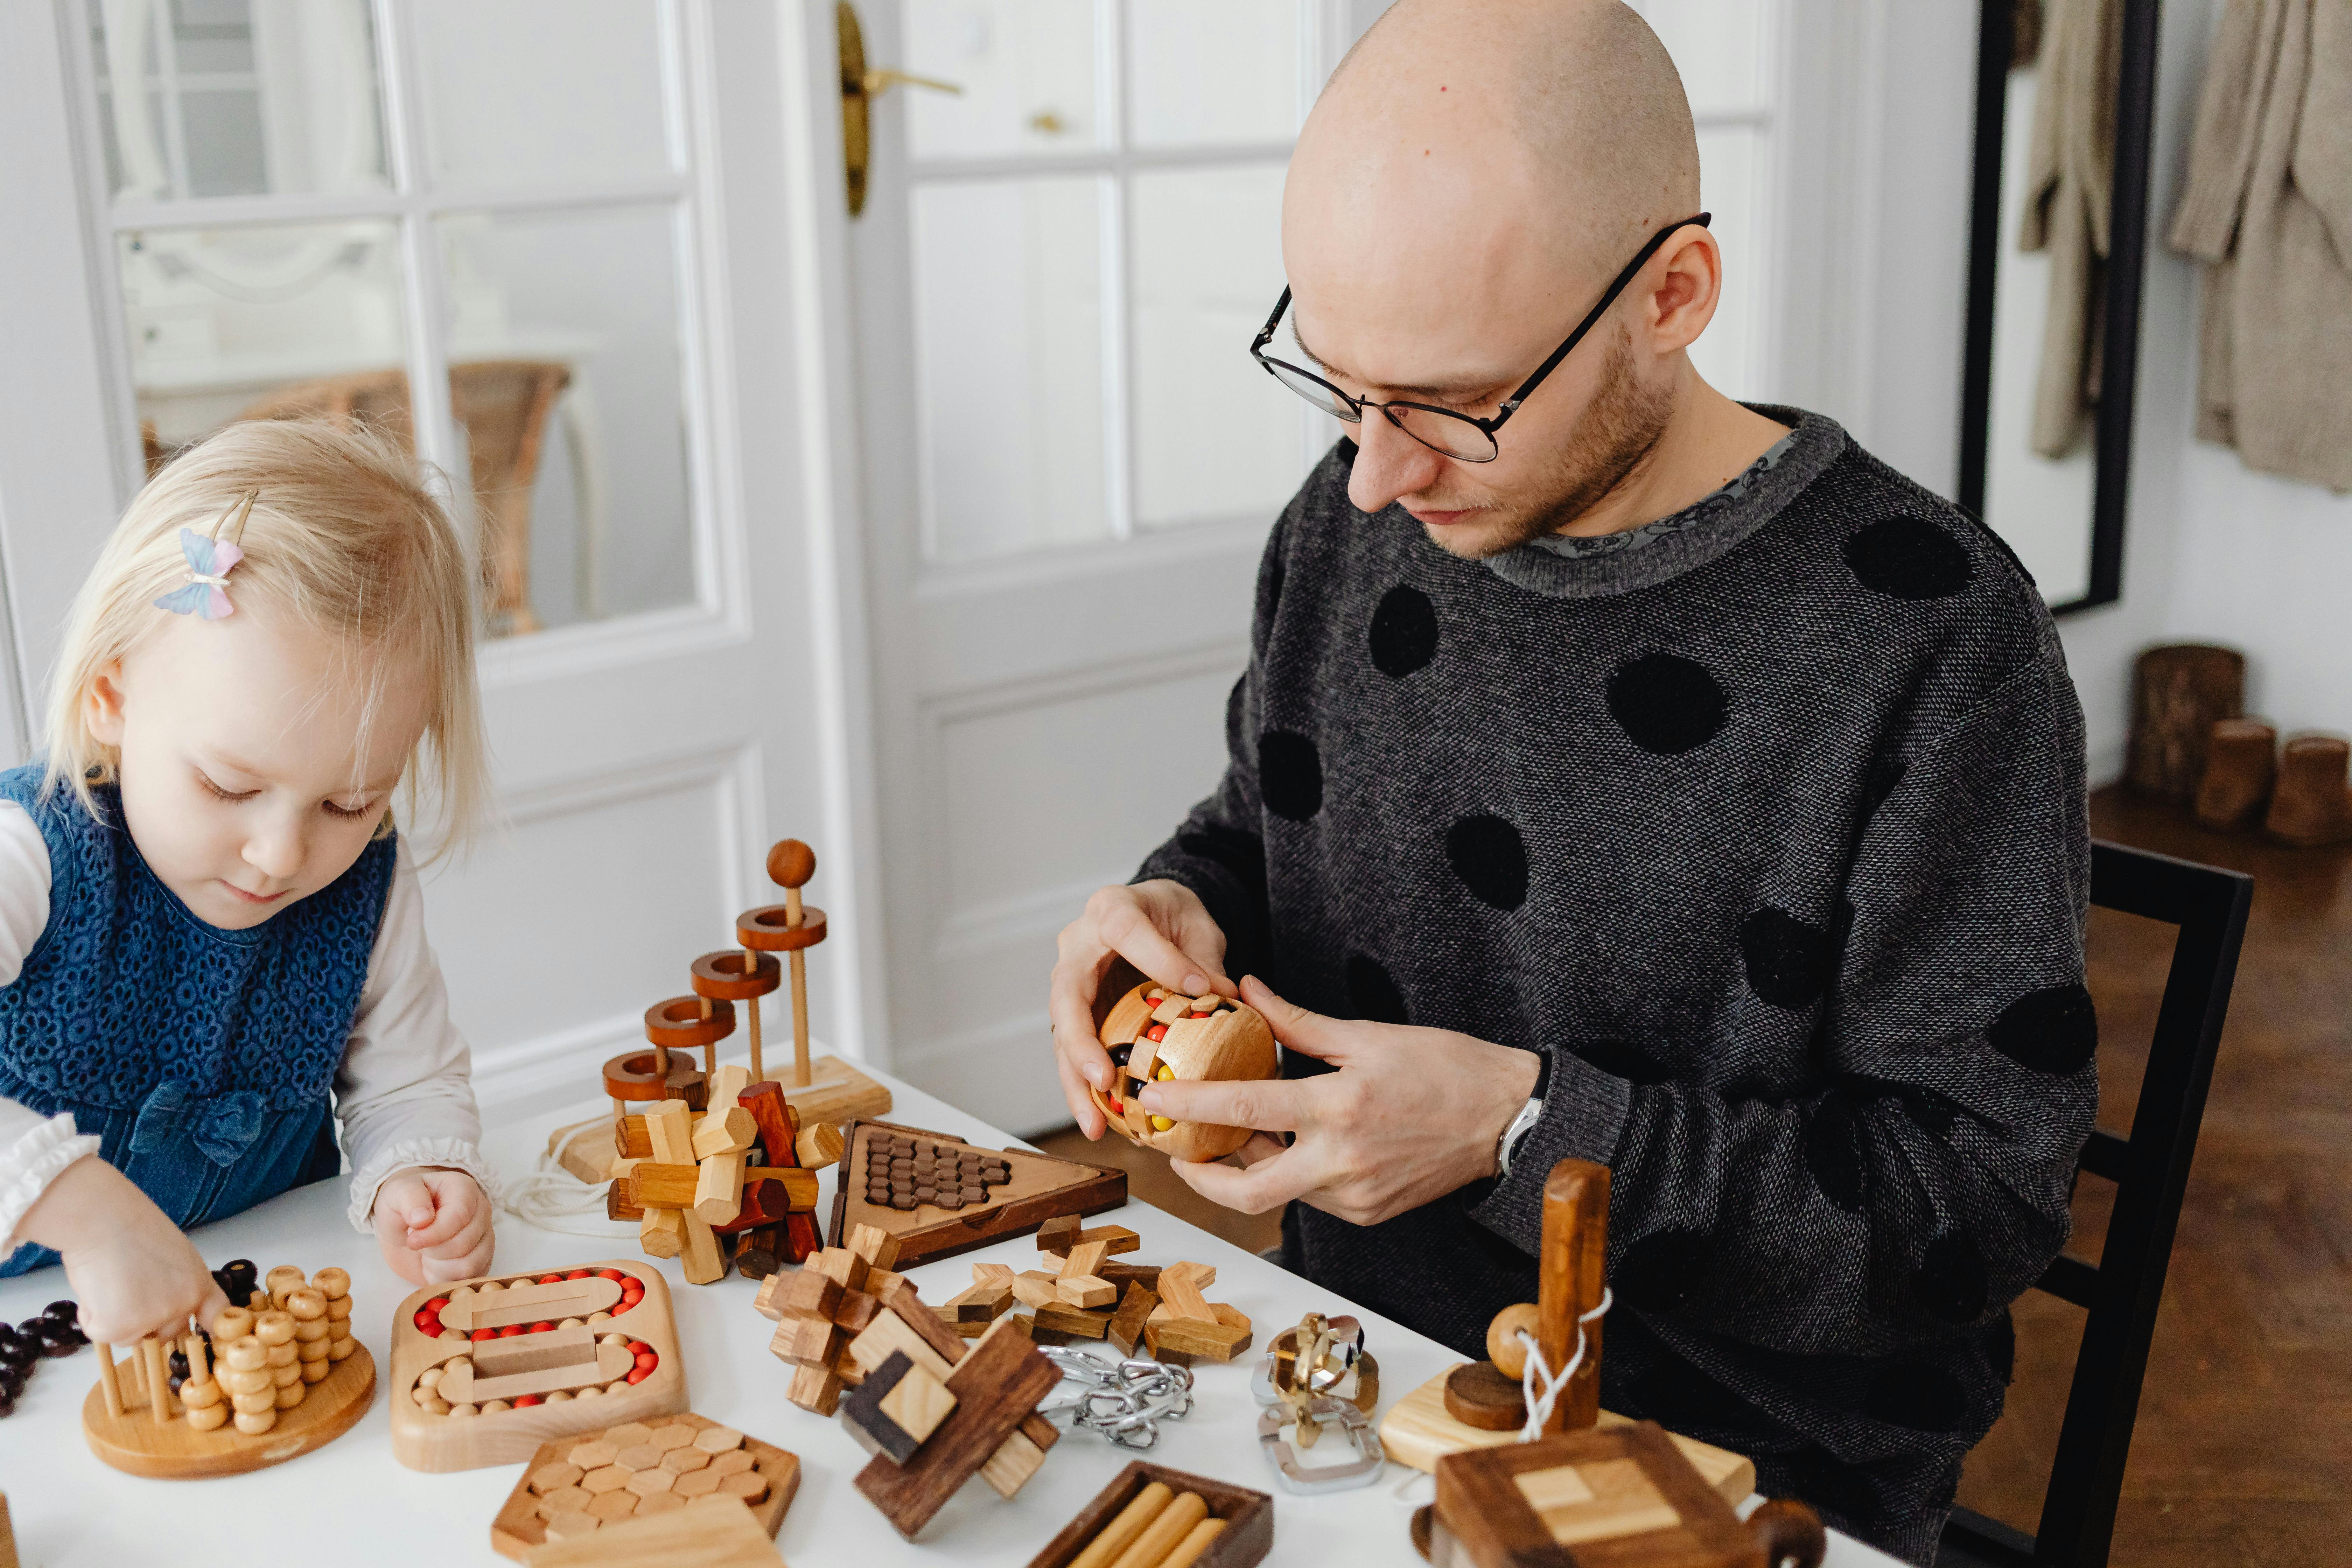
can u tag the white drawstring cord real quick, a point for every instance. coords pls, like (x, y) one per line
(553, 1198)
(1537, 1386)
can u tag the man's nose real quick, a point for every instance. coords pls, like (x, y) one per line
(1389, 463)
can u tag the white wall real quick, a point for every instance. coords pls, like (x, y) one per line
(2212, 550)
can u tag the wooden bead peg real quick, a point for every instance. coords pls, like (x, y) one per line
(158, 1379)
(110, 1379)
(1570, 1283)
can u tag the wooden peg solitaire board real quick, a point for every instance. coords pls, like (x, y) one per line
(1034, 1189)
(534, 1357)
(172, 1450)
(575, 1485)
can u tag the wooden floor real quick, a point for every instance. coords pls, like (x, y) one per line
(2244, 1451)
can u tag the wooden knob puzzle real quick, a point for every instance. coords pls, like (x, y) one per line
(1156, 1034)
(265, 1383)
(486, 1371)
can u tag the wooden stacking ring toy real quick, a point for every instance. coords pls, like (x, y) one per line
(1153, 1033)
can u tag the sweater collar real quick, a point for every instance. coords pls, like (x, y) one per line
(1688, 538)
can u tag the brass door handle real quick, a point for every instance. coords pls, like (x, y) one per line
(859, 87)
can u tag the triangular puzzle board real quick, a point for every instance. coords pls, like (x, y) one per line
(988, 1194)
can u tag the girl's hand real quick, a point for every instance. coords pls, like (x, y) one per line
(433, 1225)
(133, 1272)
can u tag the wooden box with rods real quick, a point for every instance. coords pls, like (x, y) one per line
(1154, 1517)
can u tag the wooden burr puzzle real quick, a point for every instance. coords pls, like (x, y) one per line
(574, 1487)
(1081, 1295)
(1156, 1034)
(262, 1383)
(936, 1196)
(1153, 1517)
(933, 1412)
(486, 1371)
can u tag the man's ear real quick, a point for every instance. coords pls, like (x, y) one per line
(101, 704)
(1688, 291)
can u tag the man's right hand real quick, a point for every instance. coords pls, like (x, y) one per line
(1161, 928)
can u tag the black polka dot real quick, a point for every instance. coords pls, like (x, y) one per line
(2001, 1346)
(2052, 1030)
(1623, 1058)
(1404, 631)
(1833, 1151)
(1907, 558)
(1951, 1284)
(1787, 961)
(1931, 1114)
(1665, 1269)
(1923, 1397)
(1289, 774)
(1667, 703)
(1373, 994)
(1837, 1489)
(1243, 854)
(1486, 853)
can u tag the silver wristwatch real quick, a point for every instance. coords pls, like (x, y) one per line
(1524, 1122)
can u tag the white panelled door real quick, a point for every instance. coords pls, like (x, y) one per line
(548, 240)
(1070, 465)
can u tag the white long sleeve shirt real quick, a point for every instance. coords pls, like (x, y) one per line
(404, 1089)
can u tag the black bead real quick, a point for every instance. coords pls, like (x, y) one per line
(8, 1403)
(1118, 1055)
(30, 1329)
(18, 1352)
(58, 1339)
(13, 1379)
(62, 1312)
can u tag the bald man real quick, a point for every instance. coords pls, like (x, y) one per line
(1624, 772)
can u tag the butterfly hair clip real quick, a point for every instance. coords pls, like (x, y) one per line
(209, 560)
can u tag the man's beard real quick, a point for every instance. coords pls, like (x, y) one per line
(1617, 430)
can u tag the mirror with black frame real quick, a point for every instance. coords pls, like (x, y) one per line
(2057, 240)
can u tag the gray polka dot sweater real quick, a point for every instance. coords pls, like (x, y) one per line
(1771, 834)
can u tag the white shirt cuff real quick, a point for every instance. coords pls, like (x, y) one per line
(29, 1165)
(453, 1152)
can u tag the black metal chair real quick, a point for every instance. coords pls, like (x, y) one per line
(2151, 1169)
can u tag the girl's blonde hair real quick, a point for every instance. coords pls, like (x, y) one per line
(346, 535)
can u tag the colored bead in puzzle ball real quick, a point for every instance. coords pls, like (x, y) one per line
(1156, 1033)
(1118, 1055)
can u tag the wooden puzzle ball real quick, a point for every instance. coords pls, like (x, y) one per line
(1156, 1034)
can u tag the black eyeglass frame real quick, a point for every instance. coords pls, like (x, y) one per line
(1487, 425)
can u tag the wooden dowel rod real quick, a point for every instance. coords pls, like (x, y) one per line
(158, 1377)
(750, 968)
(793, 918)
(1569, 1283)
(110, 1380)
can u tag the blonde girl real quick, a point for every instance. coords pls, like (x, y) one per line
(207, 922)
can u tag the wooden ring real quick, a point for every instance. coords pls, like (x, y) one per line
(678, 1023)
(763, 930)
(630, 1077)
(720, 976)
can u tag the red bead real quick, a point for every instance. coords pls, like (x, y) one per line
(577, 1274)
(510, 1331)
(551, 1278)
(424, 1315)
(637, 1375)
(611, 1274)
(542, 1328)
(480, 1334)
(1157, 1032)
(525, 1401)
(435, 1305)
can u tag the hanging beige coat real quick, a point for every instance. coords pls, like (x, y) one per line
(2267, 207)
(2070, 182)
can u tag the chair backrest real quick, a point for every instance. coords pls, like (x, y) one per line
(2151, 1169)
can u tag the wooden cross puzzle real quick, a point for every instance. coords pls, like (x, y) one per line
(1082, 1295)
(686, 1179)
(269, 1380)
(933, 1412)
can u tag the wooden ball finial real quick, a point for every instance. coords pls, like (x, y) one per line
(791, 863)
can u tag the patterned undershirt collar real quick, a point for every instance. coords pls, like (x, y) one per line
(1690, 517)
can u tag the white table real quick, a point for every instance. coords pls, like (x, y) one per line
(350, 1504)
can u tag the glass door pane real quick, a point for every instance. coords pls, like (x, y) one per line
(1027, 71)
(236, 98)
(535, 90)
(1206, 72)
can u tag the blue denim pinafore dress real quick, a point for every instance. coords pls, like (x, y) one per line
(202, 1058)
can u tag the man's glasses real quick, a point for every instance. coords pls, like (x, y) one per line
(1466, 438)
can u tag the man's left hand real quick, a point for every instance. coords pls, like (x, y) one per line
(1411, 1115)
